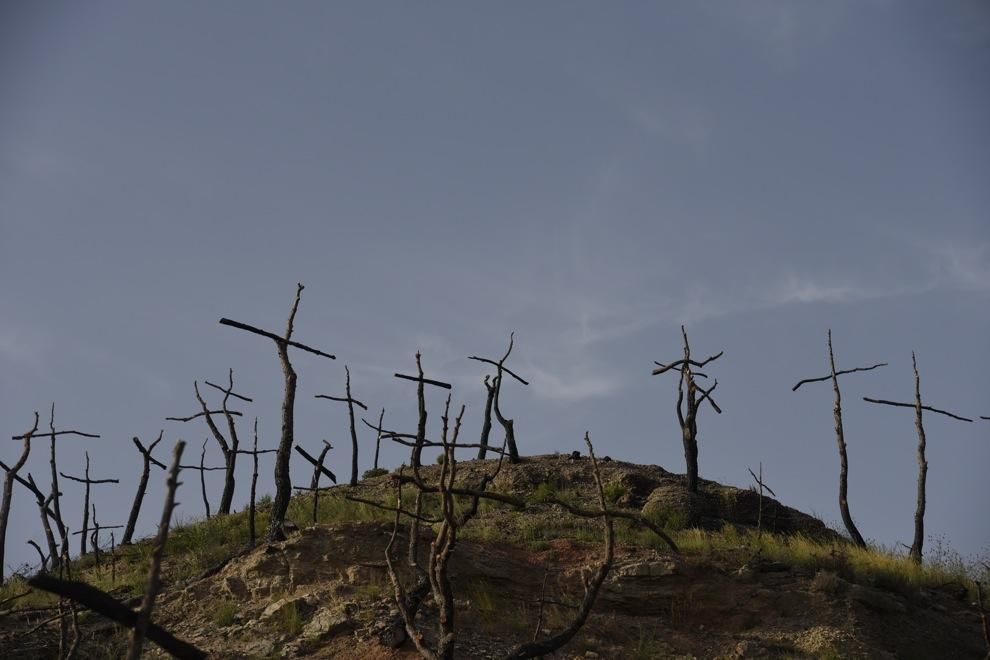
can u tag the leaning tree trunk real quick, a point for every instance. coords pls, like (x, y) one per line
(919, 513)
(8, 491)
(843, 460)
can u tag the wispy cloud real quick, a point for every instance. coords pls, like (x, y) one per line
(961, 265)
(573, 384)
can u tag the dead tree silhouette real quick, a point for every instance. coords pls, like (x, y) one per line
(228, 445)
(688, 404)
(88, 482)
(283, 485)
(494, 399)
(351, 402)
(147, 461)
(919, 512)
(378, 439)
(8, 489)
(318, 470)
(55, 493)
(420, 380)
(840, 437)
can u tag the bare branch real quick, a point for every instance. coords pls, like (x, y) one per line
(315, 463)
(205, 413)
(228, 392)
(911, 405)
(54, 433)
(837, 373)
(102, 603)
(275, 338)
(427, 381)
(499, 365)
(342, 399)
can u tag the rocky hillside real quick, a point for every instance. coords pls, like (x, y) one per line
(794, 589)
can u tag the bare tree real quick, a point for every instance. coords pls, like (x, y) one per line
(494, 399)
(283, 485)
(8, 489)
(486, 422)
(56, 494)
(840, 438)
(148, 460)
(88, 482)
(228, 445)
(417, 451)
(762, 486)
(203, 469)
(378, 439)
(453, 519)
(318, 470)
(919, 512)
(688, 403)
(351, 402)
(255, 452)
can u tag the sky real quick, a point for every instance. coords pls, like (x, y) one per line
(589, 176)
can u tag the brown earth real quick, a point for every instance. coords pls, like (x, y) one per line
(324, 592)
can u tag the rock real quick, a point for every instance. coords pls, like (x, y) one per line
(304, 607)
(328, 623)
(877, 600)
(657, 568)
(236, 587)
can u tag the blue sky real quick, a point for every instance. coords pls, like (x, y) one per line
(587, 175)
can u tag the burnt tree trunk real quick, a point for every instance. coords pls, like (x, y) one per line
(486, 425)
(919, 512)
(421, 426)
(283, 484)
(688, 403)
(843, 459)
(254, 484)
(142, 486)
(8, 491)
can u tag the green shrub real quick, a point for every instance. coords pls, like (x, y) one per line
(225, 613)
(374, 472)
(289, 620)
(614, 491)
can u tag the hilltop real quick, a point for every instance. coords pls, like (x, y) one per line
(792, 588)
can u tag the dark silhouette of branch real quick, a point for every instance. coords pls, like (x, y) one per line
(302, 452)
(427, 381)
(911, 405)
(501, 366)
(229, 393)
(56, 433)
(142, 622)
(108, 606)
(837, 373)
(205, 413)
